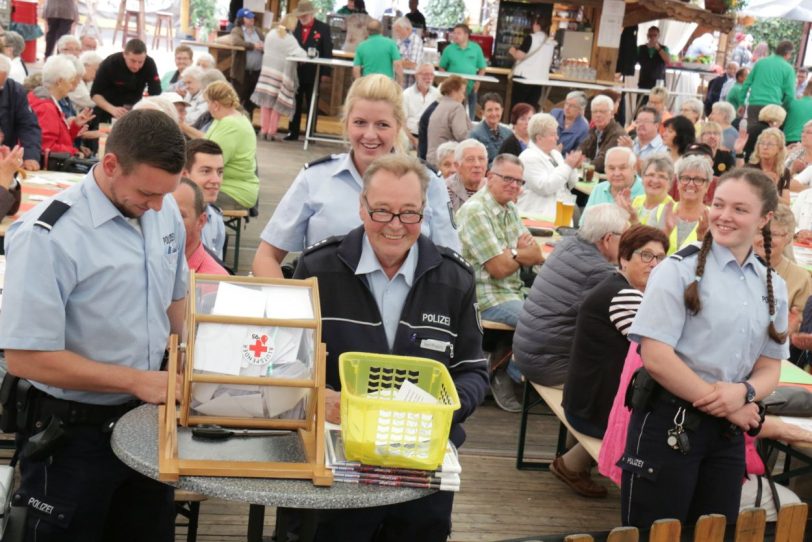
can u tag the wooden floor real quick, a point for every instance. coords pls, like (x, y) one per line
(496, 502)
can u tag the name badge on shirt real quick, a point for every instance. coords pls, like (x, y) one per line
(435, 345)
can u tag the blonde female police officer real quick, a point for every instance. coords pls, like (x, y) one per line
(708, 332)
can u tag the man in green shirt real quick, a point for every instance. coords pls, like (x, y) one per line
(771, 81)
(464, 57)
(377, 54)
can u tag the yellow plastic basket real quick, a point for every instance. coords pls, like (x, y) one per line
(378, 429)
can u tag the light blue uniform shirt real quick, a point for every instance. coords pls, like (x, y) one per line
(324, 199)
(390, 295)
(214, 232)
(654, 146)
(602, 193)
(94, 285)
(729, 334)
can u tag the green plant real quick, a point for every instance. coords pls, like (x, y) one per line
(773, 31)
(735, 5)
(203, 15)
(323, 7)
(444, 13)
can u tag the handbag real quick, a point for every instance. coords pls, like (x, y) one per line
(64, 161)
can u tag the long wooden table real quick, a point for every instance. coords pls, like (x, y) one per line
(37, 187)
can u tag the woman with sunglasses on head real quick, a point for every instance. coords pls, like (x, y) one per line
(689, 220)
(769, 155)
(708, 328)
(600, 346)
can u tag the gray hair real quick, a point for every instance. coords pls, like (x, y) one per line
(423, 65)
(80, 68)
(404, 23)
(449, 147)
(541, 124)
(463, 146)
(66, 39)
(696, 105)
(15, 41)
(5, 64)
(630, 156)
(602, 100)
(210, 76)
(695, 161)
(90, 58)
(784, 218)
(158, 103)
(400, 165)
(580, 97)
(194, 72)
(205, 58)
(506, 157)
(726, 109)
(602, 219)
(661, 163)
(57, 68)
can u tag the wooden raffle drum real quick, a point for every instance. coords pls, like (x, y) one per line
(310, 429)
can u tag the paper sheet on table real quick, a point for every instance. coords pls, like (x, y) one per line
(218, 348)
(792, 374)
(233, 300)
(288, 302)
(803, 423)
(240, 406)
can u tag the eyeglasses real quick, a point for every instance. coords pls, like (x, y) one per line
(385, 217)
(646, 256)
(684, 179)
(767, 144)
(508, 180)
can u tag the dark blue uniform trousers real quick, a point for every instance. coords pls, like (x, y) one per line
(84, 493)
(660, 482)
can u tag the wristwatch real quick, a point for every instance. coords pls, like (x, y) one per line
(750, 396)
(514, 253)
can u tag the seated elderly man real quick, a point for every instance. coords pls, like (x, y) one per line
(89, 43)
(572, 125)
(471, 163)
(417, 98)
(375, 293)
(546, 327)
(648, 140)
(58, 134)
(620, 176)
(498, 245)
(192, 207)
(69, 45)
(204, 166)
(18, 123)
(489, 131)
(604, 133)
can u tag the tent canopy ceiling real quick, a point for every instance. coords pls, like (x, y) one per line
(798, 10)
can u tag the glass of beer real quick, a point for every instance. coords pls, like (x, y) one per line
(564, 207)
(589, 171)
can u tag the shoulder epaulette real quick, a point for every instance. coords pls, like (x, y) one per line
(455, 257)
(762, 261)
(52, 214)
(687, 250)
(334, 240)
(322, 160)
(216, 208)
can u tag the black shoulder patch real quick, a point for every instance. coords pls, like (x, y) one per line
(687, 250)
(456, 258)
(322, 160)
(762, 261)
(51, 214)
(216, 209)
(324, 243)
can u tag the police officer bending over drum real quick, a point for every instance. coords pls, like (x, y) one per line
(95, 283)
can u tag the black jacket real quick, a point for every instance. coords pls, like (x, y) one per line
(319, 38)
(18, 121)
(441, 305)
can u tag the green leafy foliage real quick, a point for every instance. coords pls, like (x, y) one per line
(323, 7)
(444, 13)
(774, 31)
(203, 15)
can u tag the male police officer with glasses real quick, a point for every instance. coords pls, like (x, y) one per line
(95, 283)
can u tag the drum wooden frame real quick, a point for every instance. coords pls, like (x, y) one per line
(310, 429)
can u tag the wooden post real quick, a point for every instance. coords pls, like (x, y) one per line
(185, 16)
(603, 58)
(750, 525)
(710, 528)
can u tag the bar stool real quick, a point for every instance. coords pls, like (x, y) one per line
(127, 31)
(163, 19)
(123, 22)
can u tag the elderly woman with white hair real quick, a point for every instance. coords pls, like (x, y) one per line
(58, 79)
(692, 109)
(15, 45)
(205, 61)
(688, 221)
(723, 114)
(192, 78)
(69, 45)
(446, 164)
(80, 97)
(546, 173)
(159, 103)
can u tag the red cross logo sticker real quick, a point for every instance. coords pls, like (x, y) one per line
(259, 348)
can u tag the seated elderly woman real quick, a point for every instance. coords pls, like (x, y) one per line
(799, 160)
(546, 173)
(710, 133)
(205, 61)
(654, 207)
(769, 156)
(446, 165)
(600, 346)
(191, 78)
(58, 79)
(771, 116)
(519, 118)
(689, 220)
(723, 114)
(679, 132)
(15, 45)
(692, 109)
(80, 96)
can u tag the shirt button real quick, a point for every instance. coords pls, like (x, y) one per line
(741, 277)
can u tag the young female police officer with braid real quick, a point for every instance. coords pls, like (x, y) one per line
(707, 327)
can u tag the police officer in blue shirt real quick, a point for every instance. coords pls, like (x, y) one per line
(708, 328)
(95, 283)
(323, 199)
(205, 165)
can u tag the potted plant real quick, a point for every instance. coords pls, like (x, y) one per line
(203, 18)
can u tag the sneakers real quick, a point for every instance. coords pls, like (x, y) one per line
(291, 137)
(579, 482)
(504, 391)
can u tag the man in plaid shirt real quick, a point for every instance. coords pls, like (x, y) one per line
(410, 46)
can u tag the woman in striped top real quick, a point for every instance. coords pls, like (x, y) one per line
(600, 348)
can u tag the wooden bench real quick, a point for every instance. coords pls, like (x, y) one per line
(552, 397)
(233, 220)
(496, 334)
(751, 526)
